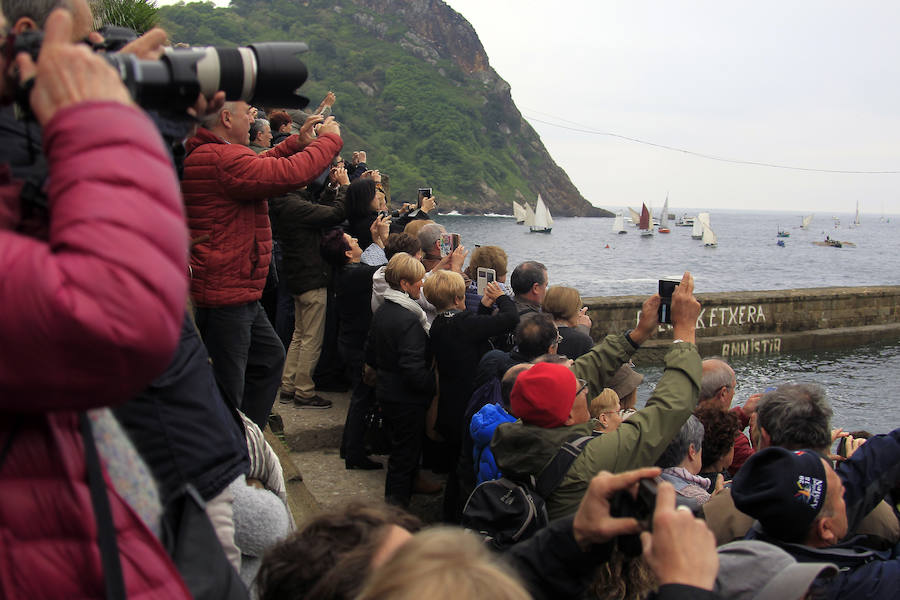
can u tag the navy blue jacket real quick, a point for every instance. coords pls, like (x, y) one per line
(867, 477)
(183, 428)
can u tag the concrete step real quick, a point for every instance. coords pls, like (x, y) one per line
(313, 437)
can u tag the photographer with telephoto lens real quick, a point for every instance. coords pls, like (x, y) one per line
(92, 310)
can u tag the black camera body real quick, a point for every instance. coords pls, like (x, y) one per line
(268, 73)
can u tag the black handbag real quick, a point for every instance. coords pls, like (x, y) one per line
(375, 436)
(191, 541)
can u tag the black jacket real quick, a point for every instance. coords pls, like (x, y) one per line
(183, 428)
(297, 224)
(397, 347)
(353, 291)
(458, 341)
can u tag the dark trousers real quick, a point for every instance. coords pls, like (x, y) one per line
(330, 368)
(406, 428)
(247, 356)
(352, 444)
(277, 300)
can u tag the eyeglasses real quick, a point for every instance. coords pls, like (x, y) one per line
(582, 385)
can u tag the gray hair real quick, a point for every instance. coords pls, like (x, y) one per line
(690, 434)
(428, 235)
(210, 121)
(796, 416)
(257, 127)
(525, 275)
(36, 10)
(716, 375)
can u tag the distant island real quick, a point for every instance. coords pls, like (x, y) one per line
(415, 91)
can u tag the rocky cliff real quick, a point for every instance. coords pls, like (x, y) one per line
(415, 89)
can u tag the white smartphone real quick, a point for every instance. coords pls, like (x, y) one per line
(485, 276)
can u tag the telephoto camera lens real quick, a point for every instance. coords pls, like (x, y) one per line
(268, 73)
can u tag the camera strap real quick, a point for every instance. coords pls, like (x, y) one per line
(106, 530)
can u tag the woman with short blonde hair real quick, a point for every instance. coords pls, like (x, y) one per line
(443, 564)
(562, 302)
(444, 289)
(398, 350)
(403, 267)
(574, 326)
(606, 411)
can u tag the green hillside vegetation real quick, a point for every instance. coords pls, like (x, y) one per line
(423, 124)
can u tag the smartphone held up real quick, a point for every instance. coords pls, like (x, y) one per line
(666, 289)
(485, 276)
(449, 243)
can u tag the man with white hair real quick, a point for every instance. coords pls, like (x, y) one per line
(225, 186)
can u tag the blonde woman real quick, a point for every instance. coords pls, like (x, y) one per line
(398, 349)
(571, 319)
(606, 411)
(459, 338)
(443, 564)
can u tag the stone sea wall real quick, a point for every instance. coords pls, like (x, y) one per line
(736, 324)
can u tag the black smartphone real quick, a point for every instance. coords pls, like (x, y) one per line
(666, 289)
(422, 193)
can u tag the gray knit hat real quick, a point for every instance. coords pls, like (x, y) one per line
(754, 570)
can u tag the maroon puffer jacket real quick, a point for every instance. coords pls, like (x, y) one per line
(225, 187)
(88, 317)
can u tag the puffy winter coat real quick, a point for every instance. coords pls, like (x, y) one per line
(482, 427)
(89, 317)
(225, 187)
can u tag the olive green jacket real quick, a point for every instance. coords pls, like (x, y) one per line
(522, 450)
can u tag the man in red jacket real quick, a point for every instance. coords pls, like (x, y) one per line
(225, 186)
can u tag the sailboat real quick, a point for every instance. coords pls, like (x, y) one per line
(697, 229)
(783, 233)
(543, 222)
(519, 213)
(619, 224)
(635, 216)
(856, 219)
(806, 221)
(664, 218)
(529, 215)
(644, 222)
(709, 237)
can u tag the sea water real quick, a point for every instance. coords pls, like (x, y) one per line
(862, 384)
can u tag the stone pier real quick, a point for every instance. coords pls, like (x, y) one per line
(734, 324)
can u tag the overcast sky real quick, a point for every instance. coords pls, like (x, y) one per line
(795, 83)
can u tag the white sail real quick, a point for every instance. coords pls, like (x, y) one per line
(635, 216)
(664, 217)
(856, 220)
(518, 212)
(709, 237)
(529, 215)
(619, 224)
(542, 219)
(697, 227)
(806, 222)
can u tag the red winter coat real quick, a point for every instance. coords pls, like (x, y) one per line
(225, 187)
(88, 317)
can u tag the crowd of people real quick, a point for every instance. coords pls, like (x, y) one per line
(158, 318)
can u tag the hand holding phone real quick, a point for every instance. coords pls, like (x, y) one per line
(421, 194)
